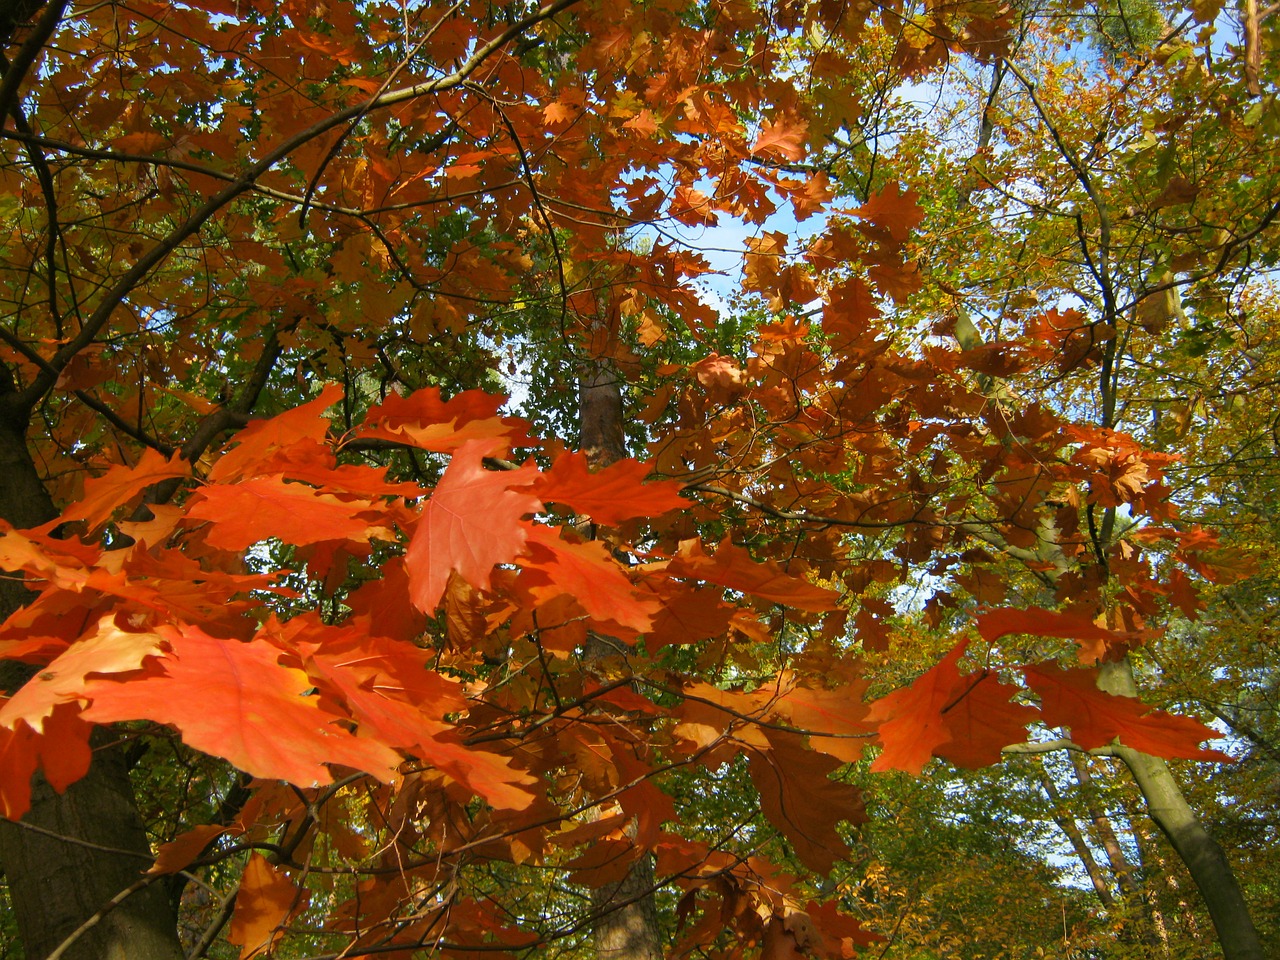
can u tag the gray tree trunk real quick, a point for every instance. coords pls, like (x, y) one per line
(1204, 858)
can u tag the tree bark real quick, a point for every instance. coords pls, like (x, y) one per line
(72, 853)
(625, 925)
(1204, 858)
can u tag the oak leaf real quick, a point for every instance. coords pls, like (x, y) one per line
(115, 488)
(1071, 698)
(265, 899)
(234, 700)
(473, 522)
(611, 495)
(800, 799)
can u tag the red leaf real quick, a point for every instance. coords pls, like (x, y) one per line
(911, 721)
(983, 721)
(609, 496)
(1095, 642)
(234, 700)
(473, 521)
(263, 439)
(62, 750)
(800, 799)
(1071, 698)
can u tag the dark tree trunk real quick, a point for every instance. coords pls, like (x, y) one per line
(73, 853)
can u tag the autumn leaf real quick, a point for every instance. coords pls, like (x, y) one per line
(1071, 698)
(733, 567)
(262, 440)
(108, 650)
(1096, 643)
(911, 722)
(250, 511)
(233, 699)
(425, 420)
(61, 751)
(473, 521)
(784, 137)
(799, 797)
(588, 573)
(178, 853)
(611, 495)
(264, 900)
(105, 494)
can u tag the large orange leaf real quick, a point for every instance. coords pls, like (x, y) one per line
(263, 439)
(911, 721)
(589, 574)
(836, 720)
(424, 420)
(62, 750)
(245, 513)
(1095, 642)
(1071, 698)
(109, 650)
(983, 721)
(611, 495)
(473, 521)
(102, 495)
(234, 700)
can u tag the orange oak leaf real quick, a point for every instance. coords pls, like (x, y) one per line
(611, 495)
(62, 751)
(264, 901)
(388, 688)
(178, 853)
(424, 420)
(734, 568)
(473, 521)
(783, 137)
(588, 573)
(691, 614)
(115, 488)
(911, 720)
(263, 439)
(1071, 698)
(983, 721)
(234, 700)
(109, 650)
(836, 720)
(1096, 643)
(245, 513)
(800, 799)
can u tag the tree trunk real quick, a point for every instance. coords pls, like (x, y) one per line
(1204, 858)
(1067, 824)
(72, 853)
(625, 925)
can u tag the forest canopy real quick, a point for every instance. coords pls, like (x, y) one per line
(639, 479)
